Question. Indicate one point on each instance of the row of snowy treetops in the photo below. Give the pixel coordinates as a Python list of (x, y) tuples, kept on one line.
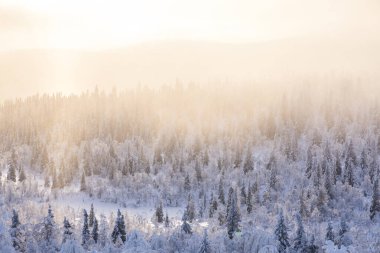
[(311, 150), (48, 237)]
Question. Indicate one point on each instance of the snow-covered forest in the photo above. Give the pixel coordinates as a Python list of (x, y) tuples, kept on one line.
[(269, 166)]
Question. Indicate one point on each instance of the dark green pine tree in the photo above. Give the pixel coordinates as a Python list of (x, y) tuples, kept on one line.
[(95, 231), (167, 222), (243, 195), (221, 192), (248, 163), (11, 176), (119, 233), (190, 209), (185, 225), (300, 242), (375, 203), (281, 233), (67, 230), (249, 200), (15, 232), (160, 213), (187, 185), (91, 217), (229, 200), (85, 229), (205, 245), (329, 233), (233, 216)]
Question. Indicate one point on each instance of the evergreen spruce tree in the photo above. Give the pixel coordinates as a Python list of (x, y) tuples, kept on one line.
[(309, 162), (185, 225), (281, 233), (300, 242), (83, 183), (229, 200), (248, 164), (249, 200), (95, 231), (330, 234), (205, 245), (375, 203), (233, 216), (22, 176), (187, 185), (243, 195), (85, 230), (91, 217), (67, 230), (160, 213), (47, 181), (190, 209), (49, 232), (103, 231), (119, 233), (18, 240), (221, 192), (167, 222), (11, 176), (211, 210), (342, 231)]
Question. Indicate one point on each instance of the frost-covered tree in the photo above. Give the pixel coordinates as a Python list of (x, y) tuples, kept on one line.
[(329, 233), (48, 233), (233, 216), (103, 231), (167, 222), (221, 192), (160, 213), (205, 244), (67, 230), (375, 203), (281, 233), (119, 234), (190, 209), (11, 176), (249, 200), (95, 231), (187, 184), (91, 216), (185, 225), (17, 235), (300, 242), (85, 230)]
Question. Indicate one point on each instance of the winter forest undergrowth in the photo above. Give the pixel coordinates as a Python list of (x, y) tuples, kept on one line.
[(290, 166)]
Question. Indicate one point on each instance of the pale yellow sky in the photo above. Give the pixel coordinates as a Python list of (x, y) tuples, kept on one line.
[(99, 24)]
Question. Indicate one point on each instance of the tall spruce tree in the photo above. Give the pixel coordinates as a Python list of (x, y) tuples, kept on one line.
[(95, 231), (11, 176), (185, 225), (300, 242), (91, 217), (221, 192), (205, 245), (119, 234), (281, 233), (67, 231), (85, 230), (160, 213), (233, 216), (83, 183), (249, 200), (329, 233), (18, 242), (375, 203)]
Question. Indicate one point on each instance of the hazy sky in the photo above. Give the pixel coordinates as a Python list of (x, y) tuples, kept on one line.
[(98, 24)]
